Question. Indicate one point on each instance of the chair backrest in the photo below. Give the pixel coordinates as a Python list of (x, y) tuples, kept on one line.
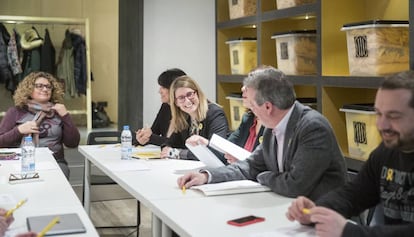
[(104, 137)]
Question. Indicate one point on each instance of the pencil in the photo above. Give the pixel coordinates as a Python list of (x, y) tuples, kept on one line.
[(306, 211), (183, 189), (49, 226), (19, 204)]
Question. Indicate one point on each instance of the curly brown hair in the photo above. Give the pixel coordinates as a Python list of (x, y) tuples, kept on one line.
[(25, 88)]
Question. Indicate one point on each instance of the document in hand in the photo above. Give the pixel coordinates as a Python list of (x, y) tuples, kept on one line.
[(231, 187), (205, 155), (224, 146)]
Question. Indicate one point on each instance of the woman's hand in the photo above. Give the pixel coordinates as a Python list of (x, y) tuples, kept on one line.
[(143, 135), (195, 140), (28, 127), (165, 152), (230, 159), (4, 221), (60, 109)]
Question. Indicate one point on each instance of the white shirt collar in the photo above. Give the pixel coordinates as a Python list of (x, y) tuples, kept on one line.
[(280, 128)]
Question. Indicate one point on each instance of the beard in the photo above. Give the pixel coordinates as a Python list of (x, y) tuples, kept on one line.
[(394, 140)]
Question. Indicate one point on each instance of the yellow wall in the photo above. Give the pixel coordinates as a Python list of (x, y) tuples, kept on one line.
[(103, 19)]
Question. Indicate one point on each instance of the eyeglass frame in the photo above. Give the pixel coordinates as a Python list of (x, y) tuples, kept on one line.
[(42, 86), (189, 95)]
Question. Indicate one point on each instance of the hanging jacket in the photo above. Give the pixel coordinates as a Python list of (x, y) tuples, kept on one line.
[(5, 71), (65, 67), (79, 49), (48, 54)]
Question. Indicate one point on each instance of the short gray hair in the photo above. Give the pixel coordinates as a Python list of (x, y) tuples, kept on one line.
[(271, 85)]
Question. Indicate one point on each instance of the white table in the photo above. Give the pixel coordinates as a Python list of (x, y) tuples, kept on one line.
[(51, 195), (192, 213)]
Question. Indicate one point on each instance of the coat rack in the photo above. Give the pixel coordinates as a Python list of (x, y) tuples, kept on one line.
[(70, 22)]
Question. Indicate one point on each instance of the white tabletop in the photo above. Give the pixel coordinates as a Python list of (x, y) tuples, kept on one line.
[(50, 194), (192, 213)]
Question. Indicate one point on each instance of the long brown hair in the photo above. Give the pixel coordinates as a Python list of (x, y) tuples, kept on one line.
[(25, 89), (179, 118)]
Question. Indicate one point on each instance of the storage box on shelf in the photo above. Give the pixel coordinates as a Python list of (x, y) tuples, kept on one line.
[(281, 4), (241, 8), (362, 133), (236, 110), (378, 47), (296, 52), (243, 55)]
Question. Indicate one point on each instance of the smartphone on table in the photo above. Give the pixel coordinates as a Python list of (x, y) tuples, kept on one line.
[(246, 220)]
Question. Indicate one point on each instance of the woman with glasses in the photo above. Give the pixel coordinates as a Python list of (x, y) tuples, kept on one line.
[(160, 129), (193, 117), (39, 112)]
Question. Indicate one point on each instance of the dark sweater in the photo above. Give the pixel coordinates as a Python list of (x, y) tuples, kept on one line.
[(160, 126), (388, 178)]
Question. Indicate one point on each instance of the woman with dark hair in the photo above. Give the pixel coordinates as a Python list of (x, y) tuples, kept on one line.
[(193, 117), (160, 129), (39, 111), (249, 134)]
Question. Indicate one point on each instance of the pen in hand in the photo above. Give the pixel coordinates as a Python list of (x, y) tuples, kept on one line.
[(183, 189), (306, 211), (19, 204), (49, 226)]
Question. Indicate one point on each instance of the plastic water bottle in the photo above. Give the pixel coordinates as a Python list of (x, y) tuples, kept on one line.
[(126, 143), (28, 156)]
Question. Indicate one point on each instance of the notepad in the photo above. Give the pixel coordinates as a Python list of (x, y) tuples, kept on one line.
[(68, 224), (231, 187), (147, 152)]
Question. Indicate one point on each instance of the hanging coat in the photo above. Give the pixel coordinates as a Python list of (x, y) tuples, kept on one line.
[(48, 54)]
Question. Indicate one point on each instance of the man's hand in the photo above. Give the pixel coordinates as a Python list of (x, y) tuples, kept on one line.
[(328, 222), (192, 179), (296, 210)]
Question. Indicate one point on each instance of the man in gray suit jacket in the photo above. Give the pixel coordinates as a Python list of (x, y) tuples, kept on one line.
[(299, 154)]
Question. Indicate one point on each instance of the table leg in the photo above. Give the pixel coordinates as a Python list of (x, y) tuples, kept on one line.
[(166, 231), (87, 187), (156, 226)]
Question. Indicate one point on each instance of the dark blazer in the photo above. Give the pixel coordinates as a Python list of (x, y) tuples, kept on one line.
[(312, 160), (240, 135), (215, 122)]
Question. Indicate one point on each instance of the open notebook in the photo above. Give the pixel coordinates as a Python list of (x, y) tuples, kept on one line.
[(231, 187), (68, 224)]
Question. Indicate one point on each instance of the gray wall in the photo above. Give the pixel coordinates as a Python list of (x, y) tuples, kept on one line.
[(177, 33)]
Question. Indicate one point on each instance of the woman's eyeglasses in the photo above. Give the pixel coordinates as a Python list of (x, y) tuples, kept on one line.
[(41, 86), (189, 95)]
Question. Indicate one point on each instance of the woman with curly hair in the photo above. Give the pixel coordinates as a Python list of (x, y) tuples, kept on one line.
[(39, 111)]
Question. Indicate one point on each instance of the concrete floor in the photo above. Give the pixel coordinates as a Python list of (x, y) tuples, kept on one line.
[(107, 211)]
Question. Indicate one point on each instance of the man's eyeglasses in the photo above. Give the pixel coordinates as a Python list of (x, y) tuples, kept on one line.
[(189, 95), (41, 86)]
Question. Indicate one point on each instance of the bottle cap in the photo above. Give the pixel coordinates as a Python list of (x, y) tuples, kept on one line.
[(126, 127), (28, 138)]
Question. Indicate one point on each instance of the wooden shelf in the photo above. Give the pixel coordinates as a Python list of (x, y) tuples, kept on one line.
[(331, 86), (354, 82)]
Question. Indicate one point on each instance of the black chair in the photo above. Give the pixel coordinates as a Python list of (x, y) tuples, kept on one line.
[(108, 137)]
